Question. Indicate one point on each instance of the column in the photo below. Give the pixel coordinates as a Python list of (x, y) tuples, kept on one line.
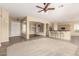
[(44, 29), (55, 32), (21, 27), (27, 30)]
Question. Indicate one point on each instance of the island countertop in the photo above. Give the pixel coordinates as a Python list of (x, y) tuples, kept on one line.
[(60, 34)]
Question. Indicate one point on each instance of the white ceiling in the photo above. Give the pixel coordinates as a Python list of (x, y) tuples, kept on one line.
[(69, 12)]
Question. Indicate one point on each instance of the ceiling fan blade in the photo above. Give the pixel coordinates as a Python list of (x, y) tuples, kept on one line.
[(47, 6), (39, 7), (40, 11), (51, 9)]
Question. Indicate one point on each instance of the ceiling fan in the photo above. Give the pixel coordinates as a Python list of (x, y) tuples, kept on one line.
[(45, 8)]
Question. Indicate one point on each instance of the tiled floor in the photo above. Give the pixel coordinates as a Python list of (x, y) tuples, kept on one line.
[(75, 40), (42, 47), (13, 40), (19, 40)]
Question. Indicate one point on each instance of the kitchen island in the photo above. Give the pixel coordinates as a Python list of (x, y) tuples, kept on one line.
[(60, 34)]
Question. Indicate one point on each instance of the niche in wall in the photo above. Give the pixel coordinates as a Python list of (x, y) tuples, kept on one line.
[(36, 28), (32, 27), (40, 27)]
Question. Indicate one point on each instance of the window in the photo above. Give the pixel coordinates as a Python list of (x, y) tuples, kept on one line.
[(76, 27)]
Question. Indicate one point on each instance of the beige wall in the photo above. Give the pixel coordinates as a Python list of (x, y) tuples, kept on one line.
[(37, 19), (4, 25)]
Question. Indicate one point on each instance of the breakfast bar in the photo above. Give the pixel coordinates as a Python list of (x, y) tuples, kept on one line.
[(60, 34)]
